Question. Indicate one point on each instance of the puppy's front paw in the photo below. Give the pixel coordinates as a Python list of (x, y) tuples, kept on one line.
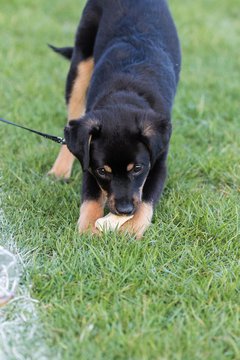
[(140, 221), (89, 213), (88, 229)]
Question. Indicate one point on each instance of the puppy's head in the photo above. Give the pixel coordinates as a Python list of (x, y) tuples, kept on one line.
[(119, 150)]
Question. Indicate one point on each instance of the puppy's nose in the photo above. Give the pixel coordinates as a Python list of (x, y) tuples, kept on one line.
[(124, 208)]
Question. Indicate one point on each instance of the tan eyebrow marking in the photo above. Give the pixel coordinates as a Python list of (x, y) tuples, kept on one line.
[(130, 167), (107, 169)]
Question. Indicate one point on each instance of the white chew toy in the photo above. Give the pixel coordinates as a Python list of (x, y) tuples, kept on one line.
[(111, 222)]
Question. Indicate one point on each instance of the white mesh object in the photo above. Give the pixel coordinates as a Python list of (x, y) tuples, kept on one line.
[(9, 276)]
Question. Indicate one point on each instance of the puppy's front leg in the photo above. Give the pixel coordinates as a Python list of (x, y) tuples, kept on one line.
[(92, 207), (90, 211), (140, 221)]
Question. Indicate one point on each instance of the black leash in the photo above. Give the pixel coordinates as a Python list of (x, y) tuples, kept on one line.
[(57, 139)]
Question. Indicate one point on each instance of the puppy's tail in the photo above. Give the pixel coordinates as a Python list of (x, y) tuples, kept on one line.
[(66, 52)]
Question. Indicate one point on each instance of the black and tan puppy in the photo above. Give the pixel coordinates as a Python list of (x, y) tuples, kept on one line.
[(120, 89)]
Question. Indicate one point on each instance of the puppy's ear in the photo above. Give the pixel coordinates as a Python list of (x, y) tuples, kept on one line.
[(78, 136), (155, 133)]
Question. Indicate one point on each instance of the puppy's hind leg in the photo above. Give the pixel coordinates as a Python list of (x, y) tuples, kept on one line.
[(76, 107), (78, 80)]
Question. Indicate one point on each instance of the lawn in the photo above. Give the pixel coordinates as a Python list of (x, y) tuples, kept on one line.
[(174, 294)]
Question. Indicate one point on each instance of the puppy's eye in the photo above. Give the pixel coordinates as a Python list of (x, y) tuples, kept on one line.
[(137, 169), (101, 172)]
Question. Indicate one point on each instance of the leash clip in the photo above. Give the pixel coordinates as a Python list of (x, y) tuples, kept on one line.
[(61, 141)]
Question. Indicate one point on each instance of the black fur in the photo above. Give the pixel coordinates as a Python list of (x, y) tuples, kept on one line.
[(137, 60)]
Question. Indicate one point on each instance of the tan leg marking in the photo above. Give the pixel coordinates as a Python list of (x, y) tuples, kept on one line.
[(90, 211), (62, 167), (76, 105), (140, 221)]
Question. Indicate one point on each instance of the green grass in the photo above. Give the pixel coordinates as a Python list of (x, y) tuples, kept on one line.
[(175, 294)]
